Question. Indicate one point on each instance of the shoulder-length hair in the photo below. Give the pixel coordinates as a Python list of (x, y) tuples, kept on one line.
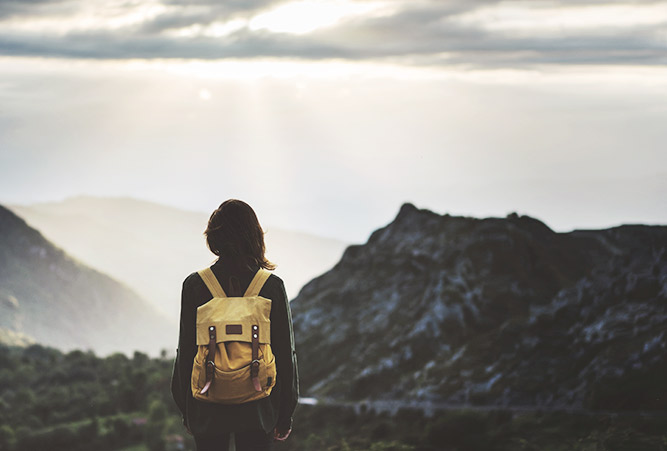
[(234, 233)]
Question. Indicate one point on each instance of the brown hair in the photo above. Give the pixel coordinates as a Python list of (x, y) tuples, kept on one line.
[(234, 233)]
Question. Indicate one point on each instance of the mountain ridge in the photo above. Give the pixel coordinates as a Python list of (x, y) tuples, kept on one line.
[(49, 297), (456, 309), (153, 247)]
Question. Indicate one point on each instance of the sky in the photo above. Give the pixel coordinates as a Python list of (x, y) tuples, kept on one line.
[(327, 115)]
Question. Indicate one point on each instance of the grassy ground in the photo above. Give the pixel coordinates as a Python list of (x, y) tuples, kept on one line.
[(135, 448), (333, 429), (326, 428)]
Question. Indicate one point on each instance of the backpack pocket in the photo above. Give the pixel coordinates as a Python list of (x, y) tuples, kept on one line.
[(233, 387)]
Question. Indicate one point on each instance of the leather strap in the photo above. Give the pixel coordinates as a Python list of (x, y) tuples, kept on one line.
[(257, 283), (210, 357), (254, 365), (212, 283)]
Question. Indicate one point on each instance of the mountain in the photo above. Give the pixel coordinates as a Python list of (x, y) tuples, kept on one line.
[(152, 247), (48, 297), (493, 311)]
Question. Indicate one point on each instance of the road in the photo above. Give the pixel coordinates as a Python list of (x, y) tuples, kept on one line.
[(430, 408)]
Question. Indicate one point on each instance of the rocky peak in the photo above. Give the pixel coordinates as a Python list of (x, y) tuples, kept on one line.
[(449, 307)]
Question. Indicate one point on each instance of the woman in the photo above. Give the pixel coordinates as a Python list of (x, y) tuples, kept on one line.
[(235, 236)]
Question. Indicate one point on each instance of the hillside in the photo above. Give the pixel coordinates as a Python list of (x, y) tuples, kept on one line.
[(48, 297), (493, 311), (152, 247)]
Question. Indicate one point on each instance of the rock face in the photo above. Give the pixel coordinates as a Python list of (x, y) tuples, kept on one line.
[(494, 311), (47, 297)]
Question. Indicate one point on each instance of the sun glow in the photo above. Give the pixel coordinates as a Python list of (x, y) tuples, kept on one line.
[(539, 18), (306, 16)]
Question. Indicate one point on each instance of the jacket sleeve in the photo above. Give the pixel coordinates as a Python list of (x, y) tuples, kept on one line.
[(180, 380), (282, 342)]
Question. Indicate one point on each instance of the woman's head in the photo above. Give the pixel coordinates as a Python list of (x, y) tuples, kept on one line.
[(233, 233)]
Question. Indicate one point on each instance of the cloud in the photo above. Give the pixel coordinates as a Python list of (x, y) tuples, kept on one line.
[(10, 8), (203, 12), (485, 33)]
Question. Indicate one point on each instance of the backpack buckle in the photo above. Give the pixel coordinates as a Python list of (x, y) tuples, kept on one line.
[(210, 369), (254, 373), (254, 368)]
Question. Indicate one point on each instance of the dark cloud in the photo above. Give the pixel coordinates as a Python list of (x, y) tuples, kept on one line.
[(231, 5), (37, 8), (203, 12), (420, 32)]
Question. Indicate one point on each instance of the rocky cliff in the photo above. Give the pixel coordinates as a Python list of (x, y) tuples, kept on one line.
[(493, 311)]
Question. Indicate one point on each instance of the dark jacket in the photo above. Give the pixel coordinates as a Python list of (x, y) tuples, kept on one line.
[(276, 410)]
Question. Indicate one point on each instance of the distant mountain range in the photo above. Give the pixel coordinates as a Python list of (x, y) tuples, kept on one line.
[(492, 311), (152, 247), (50, 298)]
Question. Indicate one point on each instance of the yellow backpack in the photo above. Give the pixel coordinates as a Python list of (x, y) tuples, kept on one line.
[(234, 362)]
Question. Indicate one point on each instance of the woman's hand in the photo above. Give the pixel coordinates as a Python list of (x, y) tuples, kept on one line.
[(281, 435), (185, 425)]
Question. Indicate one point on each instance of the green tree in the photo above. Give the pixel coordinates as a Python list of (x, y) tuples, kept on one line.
[(7, 438), (155, 427)]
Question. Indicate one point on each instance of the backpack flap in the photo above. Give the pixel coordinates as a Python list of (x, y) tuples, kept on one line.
[(233, 319)]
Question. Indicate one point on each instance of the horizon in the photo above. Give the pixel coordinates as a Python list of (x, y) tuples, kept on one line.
[(267, 227)]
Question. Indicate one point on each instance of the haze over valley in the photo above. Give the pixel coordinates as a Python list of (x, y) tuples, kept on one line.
[(152, 247)]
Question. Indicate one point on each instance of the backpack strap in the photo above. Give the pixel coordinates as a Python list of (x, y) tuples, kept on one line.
[(212, 283), (257, 283), (254, 364), (210, 360)]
